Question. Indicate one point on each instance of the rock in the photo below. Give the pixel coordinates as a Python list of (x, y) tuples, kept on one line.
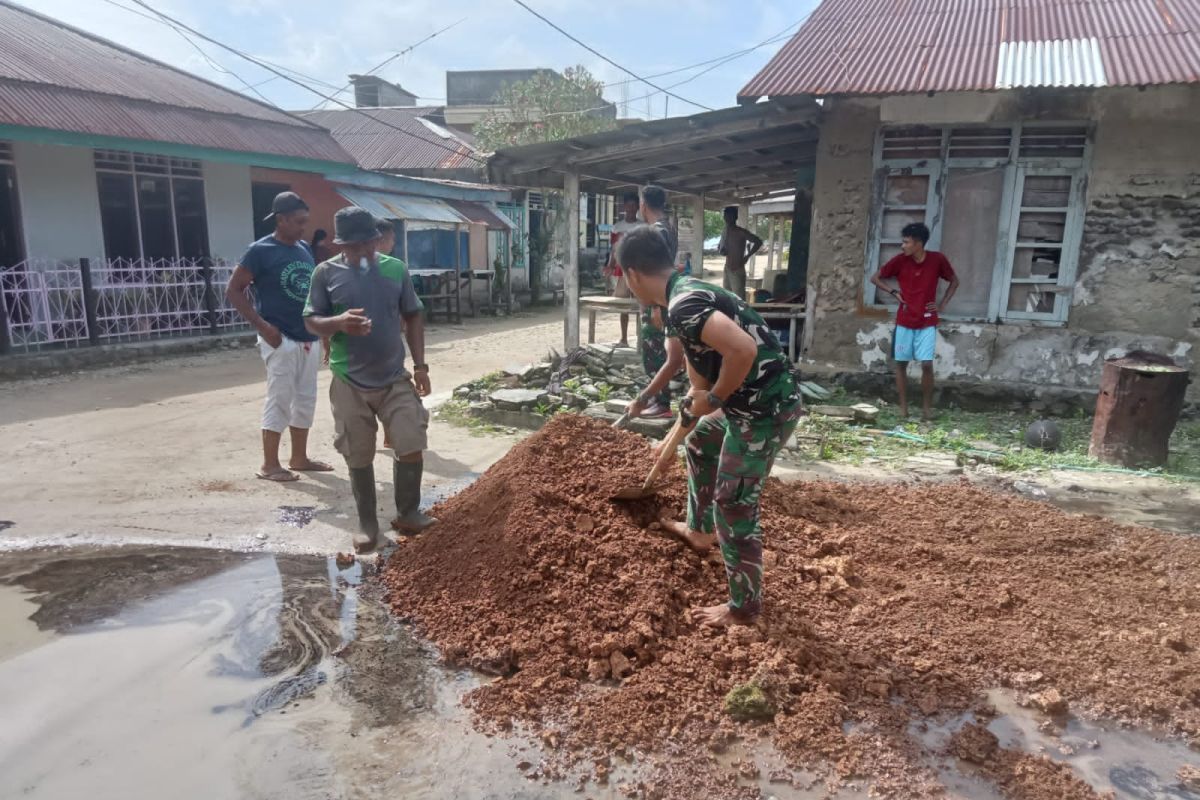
[(604, 351), (929, 704), (598, 669), (653, 428), (589, 391), (1189, 776), (616, 406), (513, 399), (462, 391), (842, 412), (749, 701), (1049, 701), (865, 412), (1025, 680), (619, 380), (878, 685), (1029, 489), (974, 744), (621, 666), (770, 559), (554, 399), (626, 357), (584, 523)]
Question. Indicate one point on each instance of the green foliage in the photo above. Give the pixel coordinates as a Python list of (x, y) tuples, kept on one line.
[(605, 391), (714, 223), (545, 108)]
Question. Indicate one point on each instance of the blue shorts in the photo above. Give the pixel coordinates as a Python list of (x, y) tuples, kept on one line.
[(909, 344)]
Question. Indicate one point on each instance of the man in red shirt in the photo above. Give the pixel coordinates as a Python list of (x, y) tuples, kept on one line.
[(918, 272)]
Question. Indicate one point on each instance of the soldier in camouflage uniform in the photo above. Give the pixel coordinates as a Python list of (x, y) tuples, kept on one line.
[(745, 392)]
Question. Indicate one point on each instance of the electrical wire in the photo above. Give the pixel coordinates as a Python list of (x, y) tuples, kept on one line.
[(605, 58), (171, 21), (396, 55)]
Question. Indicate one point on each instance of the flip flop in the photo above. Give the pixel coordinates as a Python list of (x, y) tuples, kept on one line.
[(313, 466), (278, 476)]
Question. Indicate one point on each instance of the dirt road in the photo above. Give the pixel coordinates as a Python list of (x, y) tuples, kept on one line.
[(167, 453)]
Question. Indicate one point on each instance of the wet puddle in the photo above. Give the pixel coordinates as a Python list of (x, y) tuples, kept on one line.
[(140, 672), (1131, 764), (194, 673), (295, 516)]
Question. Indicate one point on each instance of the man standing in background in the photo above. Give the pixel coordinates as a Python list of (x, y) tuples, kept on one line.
[(658, 352), (612, 270), (734, 243), (280, 267)]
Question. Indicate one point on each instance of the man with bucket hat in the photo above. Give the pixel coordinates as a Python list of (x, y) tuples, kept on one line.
[(368, 308), (280, 266)]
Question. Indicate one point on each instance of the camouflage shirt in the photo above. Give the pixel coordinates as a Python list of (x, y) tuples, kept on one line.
[(770, 387)]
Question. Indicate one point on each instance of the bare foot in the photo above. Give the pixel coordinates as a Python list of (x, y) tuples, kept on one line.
[(702, 543), (717, 617)]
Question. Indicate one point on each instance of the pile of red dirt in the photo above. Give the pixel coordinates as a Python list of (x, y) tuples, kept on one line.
[(886, 606)]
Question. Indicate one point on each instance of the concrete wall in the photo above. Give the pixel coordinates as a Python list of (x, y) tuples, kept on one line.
[(60, 207), (229, 207), (1138, 280), (323, 201)]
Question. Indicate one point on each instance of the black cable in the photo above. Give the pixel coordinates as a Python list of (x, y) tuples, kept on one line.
[(172, 21), (600, 55), (396, 55)]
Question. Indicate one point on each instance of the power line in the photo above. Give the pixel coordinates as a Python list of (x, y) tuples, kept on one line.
[(784, 34), (216, 66), (264, 65), (600, 55), (396, 55), (715, 63)]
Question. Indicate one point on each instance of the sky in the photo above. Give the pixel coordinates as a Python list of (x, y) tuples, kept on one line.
[(327, 41)]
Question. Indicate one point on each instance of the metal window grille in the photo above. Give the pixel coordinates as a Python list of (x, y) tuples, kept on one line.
[(980, 142), (147, 164), (133, 300), (6, 154)]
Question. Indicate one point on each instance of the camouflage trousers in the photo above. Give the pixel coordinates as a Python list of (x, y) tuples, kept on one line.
[(728, 461), (654, 353)]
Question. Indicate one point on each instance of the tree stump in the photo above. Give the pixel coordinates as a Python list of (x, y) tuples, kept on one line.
[(1141, 396)]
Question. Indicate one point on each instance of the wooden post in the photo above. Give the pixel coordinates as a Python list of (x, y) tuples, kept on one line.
[(458, 273), (571, 268), (1141, 397), (698, 236), (89, 301), (770, 245)]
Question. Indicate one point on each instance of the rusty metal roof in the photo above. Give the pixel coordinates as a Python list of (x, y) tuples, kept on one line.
[(422, 142), (881, 47), (55, 76)]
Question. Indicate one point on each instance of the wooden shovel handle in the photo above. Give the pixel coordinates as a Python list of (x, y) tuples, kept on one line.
[(668, 451)]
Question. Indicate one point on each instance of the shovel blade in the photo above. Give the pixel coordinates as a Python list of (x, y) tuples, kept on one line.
[(637, 492)]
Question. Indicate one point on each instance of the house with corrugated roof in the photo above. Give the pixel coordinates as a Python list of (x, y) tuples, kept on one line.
[(1050, 148)]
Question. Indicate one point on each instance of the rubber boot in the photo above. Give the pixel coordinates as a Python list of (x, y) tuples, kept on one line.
[(407, 479), (362, 482)]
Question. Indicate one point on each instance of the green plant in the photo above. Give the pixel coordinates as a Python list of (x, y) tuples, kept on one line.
[(545, 108), (605, 391)]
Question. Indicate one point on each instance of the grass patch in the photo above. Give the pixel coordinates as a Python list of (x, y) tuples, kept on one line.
[(456, 412), (1001, 434)]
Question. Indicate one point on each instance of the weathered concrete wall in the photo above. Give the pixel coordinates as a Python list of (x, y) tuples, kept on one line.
[(1138, 281)]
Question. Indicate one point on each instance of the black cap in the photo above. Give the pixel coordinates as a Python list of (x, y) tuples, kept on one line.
[(286, 203), (353, 225)]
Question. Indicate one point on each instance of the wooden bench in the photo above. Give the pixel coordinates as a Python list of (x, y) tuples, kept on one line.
[(608, 305)]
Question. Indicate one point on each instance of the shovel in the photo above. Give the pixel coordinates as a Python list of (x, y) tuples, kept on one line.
[(649, 487)]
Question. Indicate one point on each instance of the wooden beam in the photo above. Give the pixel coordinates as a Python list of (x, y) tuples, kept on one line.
[(692, 135), (685, 155)]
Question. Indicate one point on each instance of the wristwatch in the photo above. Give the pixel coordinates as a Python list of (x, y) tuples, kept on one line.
[(715, 401), (420, 368)]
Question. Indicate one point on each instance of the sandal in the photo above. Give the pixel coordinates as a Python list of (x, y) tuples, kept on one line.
[(280, 475)]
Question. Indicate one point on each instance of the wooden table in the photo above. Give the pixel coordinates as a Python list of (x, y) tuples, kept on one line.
[(447, 288), (793, 312), (608, 305)]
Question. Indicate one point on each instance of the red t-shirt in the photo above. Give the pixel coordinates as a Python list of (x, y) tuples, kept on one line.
[(918, 286)]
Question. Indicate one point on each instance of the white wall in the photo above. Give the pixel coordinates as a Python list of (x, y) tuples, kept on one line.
[(230, 209), (60, 209)]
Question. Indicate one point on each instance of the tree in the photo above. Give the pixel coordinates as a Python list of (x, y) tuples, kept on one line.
[(546, 108)]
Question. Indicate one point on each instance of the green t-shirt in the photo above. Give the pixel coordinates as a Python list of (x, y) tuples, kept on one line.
[(385, 293), (770, 387)]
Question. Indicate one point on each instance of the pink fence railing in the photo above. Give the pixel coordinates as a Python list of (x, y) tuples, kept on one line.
[(55, 304)]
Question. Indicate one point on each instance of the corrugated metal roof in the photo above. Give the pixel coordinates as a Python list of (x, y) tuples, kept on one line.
[(401, 206), (370, 135), (877, 47), (483, 213), (55, 76)]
